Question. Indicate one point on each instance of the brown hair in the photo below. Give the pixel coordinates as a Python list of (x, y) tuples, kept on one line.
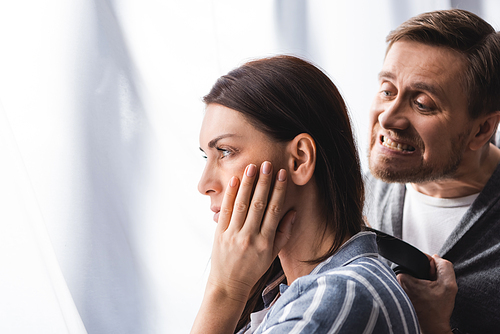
[(284, 96), (470, 36)]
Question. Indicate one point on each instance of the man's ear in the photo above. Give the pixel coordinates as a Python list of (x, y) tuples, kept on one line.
[(302, 159), (484, 129)]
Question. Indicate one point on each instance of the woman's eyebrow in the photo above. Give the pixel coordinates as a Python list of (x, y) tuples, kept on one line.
[(214, 141)]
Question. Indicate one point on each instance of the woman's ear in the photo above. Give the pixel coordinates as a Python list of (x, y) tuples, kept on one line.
[(302, 159), (484, 129)]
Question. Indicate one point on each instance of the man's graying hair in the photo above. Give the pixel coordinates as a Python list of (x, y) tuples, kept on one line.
[(470, 36)]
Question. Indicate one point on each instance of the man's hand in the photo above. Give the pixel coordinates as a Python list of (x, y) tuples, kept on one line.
[(433, 300)]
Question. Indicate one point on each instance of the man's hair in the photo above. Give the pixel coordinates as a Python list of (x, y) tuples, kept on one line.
[(474, 39)]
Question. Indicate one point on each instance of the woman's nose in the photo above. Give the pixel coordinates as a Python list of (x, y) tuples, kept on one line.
[(208, 184)]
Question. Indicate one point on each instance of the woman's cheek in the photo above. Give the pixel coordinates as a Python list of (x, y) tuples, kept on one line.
[(237, 171)]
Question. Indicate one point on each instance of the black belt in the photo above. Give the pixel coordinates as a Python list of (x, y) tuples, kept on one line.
[(408, 259)]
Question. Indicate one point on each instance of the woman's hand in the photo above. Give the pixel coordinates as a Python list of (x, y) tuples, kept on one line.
[(248, 238)]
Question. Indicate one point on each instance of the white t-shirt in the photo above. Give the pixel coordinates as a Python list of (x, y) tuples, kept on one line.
[(428, 221)]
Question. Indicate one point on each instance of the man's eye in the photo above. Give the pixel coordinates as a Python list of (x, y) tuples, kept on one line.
[(386, 93), (421, 106)]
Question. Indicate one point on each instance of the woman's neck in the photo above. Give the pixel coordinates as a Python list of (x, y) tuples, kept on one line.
[(308, 242)]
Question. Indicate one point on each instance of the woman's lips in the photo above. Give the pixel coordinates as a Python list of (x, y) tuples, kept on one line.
[(216, 209)]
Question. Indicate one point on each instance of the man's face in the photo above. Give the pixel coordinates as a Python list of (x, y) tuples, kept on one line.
[(418, 119)]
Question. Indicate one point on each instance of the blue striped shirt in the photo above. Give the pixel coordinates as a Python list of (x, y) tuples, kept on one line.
[(351, 292)]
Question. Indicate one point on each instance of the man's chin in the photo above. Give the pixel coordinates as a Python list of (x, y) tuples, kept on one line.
[(422, 174), (381, 169), (392, 176), (402, 175)]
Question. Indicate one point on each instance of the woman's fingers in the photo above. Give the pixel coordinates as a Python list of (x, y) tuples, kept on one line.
[(226, 209), (254, 212), (274, 211), (259, 202), (241, 203), (247, 238)]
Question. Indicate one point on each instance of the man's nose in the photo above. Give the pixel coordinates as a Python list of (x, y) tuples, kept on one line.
[(394, 115)]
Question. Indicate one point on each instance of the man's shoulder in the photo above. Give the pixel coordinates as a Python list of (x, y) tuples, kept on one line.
[(492, 186), (380, 195), (375, 187)]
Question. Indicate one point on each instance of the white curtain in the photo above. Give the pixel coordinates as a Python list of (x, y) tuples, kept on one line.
[(102, 229)]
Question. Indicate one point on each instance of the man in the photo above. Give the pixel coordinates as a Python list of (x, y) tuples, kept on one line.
[(435, 172)]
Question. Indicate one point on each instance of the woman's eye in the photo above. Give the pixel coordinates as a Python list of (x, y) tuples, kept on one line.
[(225, 153), (203, 155), (386, 93)]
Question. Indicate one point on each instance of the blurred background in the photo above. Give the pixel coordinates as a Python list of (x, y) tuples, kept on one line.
[(102, 229)]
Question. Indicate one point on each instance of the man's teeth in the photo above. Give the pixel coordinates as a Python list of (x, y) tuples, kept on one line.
[(400, 147)]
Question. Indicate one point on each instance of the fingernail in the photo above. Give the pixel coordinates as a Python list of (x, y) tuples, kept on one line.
[(251, 169), (293, 218), (282, 175), (266, 167), (233, 181)]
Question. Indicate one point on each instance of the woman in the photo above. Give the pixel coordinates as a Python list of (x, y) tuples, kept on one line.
[(280, 123)]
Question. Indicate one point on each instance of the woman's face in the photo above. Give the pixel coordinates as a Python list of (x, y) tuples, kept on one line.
[(230, 143)]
